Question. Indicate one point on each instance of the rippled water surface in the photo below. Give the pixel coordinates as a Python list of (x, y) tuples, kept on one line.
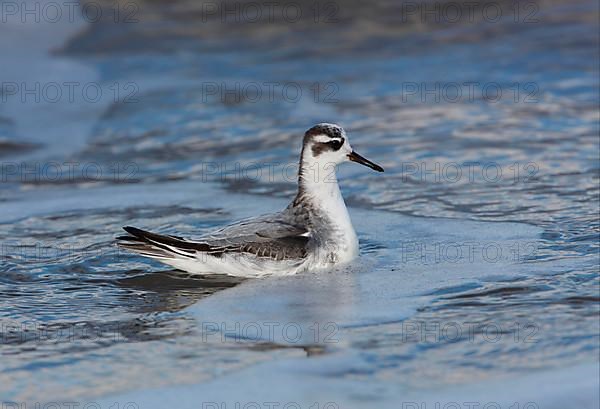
[(479, 244)]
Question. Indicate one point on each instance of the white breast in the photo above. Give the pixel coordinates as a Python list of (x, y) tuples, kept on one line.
[(335, 236)]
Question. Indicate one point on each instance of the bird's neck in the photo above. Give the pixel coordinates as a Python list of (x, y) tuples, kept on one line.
[(319, 194)]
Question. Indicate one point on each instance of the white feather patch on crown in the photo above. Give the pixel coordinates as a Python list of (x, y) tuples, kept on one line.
[(322, 138)]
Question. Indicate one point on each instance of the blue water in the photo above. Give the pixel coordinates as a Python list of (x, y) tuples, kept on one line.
[(478, 275)]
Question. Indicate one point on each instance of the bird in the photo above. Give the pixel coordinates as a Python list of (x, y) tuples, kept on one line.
[(314, 232)]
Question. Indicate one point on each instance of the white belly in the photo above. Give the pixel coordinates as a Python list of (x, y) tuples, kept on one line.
[(332, 253)]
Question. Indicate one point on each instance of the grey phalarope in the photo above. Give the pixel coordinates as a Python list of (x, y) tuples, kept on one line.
[(313, 232)]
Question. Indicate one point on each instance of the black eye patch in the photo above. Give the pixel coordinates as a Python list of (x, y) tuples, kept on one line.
[(336, 144), (321, 147)]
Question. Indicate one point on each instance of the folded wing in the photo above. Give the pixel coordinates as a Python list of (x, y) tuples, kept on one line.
[(265, 237)]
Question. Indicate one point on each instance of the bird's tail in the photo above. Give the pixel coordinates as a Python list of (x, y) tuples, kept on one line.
[(160, 246)]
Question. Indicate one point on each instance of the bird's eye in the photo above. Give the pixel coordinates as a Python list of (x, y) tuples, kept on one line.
[(336, 144)]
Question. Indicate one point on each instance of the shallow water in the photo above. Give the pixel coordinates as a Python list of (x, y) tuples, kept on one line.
[(479, 244)]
